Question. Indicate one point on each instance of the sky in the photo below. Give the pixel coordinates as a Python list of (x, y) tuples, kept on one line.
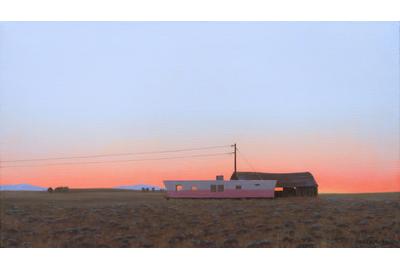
[(309, 96)]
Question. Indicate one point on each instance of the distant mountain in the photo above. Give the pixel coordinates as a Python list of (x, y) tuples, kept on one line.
[(138, 187), (21, 187)]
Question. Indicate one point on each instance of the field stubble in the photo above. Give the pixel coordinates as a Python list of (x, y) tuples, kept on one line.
[(109, 218)]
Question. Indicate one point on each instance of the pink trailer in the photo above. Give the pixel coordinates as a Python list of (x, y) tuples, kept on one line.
[(220, 189)]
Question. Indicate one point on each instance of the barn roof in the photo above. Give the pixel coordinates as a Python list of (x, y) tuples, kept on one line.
[(297, 179)]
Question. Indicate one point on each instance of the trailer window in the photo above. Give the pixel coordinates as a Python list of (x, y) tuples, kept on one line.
[(220, 188), (213, 188), (178, 187), (238, 187), (194, 188)]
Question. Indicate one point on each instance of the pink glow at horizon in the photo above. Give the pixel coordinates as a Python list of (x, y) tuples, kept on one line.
[(355, 171)]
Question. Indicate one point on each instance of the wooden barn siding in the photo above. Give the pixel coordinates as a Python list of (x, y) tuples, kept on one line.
[(293, 184)]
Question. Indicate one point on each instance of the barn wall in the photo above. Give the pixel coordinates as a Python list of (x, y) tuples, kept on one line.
[(299, 192), (307, 191)]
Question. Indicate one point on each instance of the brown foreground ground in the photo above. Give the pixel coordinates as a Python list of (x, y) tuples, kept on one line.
[(109, 218)]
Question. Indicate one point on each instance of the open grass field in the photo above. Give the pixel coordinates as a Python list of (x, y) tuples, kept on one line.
[(111, 218)]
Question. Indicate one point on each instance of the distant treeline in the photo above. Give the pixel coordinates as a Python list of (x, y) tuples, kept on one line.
[(58, 189), (148, 189)]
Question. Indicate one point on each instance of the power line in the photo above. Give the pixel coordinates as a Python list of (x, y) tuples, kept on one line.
[(248, 163), (115, 161), (245, 159), (115, 155)]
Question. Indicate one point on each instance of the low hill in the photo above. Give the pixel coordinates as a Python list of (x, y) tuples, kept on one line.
[(21, 187)]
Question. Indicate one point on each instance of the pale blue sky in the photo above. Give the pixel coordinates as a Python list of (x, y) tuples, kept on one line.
[(71, 88)]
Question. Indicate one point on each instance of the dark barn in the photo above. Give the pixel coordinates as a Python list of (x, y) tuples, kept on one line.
[(289, 184)]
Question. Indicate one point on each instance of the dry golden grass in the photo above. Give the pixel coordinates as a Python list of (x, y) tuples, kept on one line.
[(110, 218)]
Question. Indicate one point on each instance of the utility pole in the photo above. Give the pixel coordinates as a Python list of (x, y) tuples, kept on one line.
[(234, 161)]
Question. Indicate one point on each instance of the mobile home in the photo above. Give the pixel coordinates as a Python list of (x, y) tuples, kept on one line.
[(220, 189)]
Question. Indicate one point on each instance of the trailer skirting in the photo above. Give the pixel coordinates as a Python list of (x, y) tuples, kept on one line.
[(224, 194)]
